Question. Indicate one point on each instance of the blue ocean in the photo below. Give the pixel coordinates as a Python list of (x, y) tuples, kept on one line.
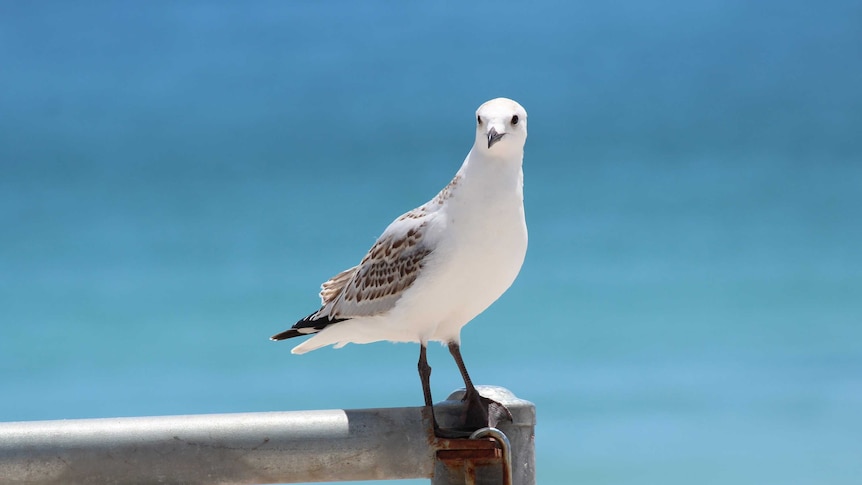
[(178, 178)]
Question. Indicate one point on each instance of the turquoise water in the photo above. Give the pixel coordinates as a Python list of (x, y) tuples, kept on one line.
[(178, 178)]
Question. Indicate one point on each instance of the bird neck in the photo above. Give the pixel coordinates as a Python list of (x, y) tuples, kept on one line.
[(498, 175), (484, 165)]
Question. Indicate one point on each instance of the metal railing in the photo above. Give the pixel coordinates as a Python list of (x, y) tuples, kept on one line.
[(277, 447)]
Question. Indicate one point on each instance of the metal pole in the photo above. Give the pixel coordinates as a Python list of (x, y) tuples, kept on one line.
[(258, 448), (306, 446)]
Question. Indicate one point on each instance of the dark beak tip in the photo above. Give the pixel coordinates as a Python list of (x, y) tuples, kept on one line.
[(494, 137)]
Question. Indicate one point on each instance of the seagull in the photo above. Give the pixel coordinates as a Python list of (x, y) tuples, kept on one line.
[(439, 265)]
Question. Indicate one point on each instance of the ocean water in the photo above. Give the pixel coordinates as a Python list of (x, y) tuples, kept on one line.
[(176, 180)]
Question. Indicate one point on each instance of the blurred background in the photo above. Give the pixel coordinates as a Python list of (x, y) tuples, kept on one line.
[(177, 179)]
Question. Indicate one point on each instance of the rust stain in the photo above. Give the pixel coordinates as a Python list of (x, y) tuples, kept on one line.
[(463, 454), (490, 456)]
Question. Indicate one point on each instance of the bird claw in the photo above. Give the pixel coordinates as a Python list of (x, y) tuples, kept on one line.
[(478, 412), (497, 412), (450, 433)]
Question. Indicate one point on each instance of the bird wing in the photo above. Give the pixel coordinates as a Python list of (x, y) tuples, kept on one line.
[(330, 289), (391, 266)]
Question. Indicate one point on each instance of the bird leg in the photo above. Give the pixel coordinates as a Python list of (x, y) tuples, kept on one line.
[(479, 411), (425, 377)]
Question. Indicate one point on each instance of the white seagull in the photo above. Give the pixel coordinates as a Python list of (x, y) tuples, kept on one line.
[(438, 266)]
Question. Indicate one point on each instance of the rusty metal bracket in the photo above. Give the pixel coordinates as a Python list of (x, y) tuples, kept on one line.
[(483, 458)]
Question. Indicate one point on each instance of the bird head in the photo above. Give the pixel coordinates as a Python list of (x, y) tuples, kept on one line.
[(501, 127)]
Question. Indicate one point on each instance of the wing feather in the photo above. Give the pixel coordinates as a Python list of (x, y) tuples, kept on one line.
[(374, 286), (330, 290)]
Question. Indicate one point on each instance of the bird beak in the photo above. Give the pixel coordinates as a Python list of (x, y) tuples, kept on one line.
[(493, 136)]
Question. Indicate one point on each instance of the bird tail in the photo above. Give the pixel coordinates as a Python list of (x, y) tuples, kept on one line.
[(307, 326)]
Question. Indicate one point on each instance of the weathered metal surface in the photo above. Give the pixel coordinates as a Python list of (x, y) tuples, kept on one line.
[(258, 448), (255, 448)]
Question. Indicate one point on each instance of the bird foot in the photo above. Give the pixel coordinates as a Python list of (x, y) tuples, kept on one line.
[(477, 412), (450, 433)]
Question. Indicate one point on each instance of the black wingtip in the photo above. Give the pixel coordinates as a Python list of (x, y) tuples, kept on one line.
[(286, 335), (306, 326)]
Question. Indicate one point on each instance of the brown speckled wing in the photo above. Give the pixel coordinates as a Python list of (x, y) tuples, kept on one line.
[(330, 290), (373, 287)]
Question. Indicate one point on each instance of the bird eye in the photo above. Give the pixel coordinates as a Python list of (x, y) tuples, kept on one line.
[(515, 120), (479, 119)]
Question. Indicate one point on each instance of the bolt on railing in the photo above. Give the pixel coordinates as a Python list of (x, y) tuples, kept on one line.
[(276, 447)]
